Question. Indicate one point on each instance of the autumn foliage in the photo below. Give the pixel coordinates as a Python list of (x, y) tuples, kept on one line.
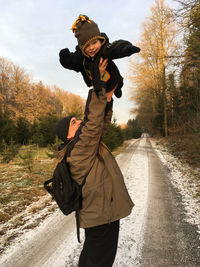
[(28, 110), (166, 79)]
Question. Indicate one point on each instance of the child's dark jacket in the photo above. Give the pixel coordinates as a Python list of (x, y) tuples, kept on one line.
[(78, 62)]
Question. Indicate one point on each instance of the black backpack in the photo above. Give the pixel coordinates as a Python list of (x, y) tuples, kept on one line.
[(65, 191)]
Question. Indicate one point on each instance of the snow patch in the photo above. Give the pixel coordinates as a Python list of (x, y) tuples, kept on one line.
[(135, 171), (186, 180), (132, 227)]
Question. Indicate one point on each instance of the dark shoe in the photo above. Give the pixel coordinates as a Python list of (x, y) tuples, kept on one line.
[(118, 93)]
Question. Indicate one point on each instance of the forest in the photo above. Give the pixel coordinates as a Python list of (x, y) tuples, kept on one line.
[(165, 86), (29, 111), (166, 79)]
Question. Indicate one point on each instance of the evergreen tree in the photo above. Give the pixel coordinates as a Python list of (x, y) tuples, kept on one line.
[(9, 151), (7, 128), (132, 130), (42, 131), (27, 158), (22, 131), (114, 136), (190, 73)]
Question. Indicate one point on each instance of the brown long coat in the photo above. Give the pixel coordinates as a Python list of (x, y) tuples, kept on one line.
[(105, 197)]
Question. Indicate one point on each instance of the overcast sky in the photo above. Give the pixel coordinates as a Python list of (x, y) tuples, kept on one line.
[(32, 32)]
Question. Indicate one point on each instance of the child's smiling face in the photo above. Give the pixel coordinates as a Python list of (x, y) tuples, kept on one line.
[(93, 48)]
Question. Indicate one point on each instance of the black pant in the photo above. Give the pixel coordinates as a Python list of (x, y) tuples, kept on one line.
[(100, 245)]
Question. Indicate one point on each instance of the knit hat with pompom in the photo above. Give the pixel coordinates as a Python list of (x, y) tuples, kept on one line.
[(86, 30)]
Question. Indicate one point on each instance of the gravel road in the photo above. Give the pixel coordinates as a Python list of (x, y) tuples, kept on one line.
[(168, 239), (155, 234)]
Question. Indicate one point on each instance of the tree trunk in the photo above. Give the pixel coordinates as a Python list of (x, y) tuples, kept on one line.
[(163, 68)]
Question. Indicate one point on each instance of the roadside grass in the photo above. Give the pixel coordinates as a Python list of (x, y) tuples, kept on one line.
[(19, 186), (121, 148), (187, 149), (24, 202)]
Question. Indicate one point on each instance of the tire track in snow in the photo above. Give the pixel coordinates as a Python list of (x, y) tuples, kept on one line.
[(132, 227)]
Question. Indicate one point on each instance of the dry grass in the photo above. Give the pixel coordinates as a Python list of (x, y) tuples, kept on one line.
[(121, 148), (19, 187), (7, 239), (24, 202), (185, 147)]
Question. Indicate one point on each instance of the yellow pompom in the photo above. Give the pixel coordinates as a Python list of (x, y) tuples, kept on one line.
[(79, 19)]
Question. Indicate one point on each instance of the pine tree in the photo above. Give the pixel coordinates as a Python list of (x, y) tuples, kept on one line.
[(9, 151), (27, 158)]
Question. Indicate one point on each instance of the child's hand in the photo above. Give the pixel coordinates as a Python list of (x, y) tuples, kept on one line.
[(102, 66)]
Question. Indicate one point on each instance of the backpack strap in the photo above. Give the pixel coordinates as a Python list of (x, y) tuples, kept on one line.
[(48, 188), (77, 226), (77, 214), (77, 211)]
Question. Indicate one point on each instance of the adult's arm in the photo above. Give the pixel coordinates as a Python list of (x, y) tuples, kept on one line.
[(84, 148), (108, 111)]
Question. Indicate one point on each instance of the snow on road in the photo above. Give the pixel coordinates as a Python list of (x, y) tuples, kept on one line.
[(186, 180), (131, 228), (134, 165), (135, 170)]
